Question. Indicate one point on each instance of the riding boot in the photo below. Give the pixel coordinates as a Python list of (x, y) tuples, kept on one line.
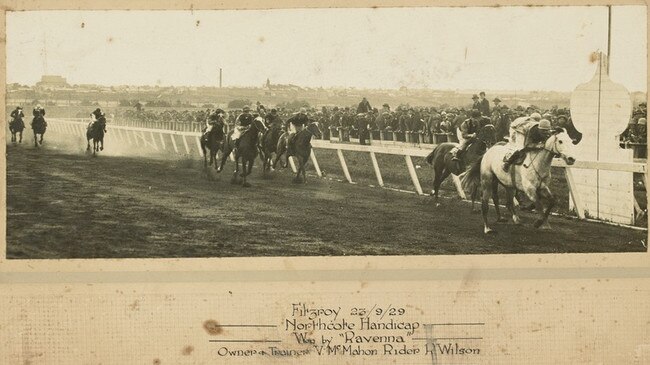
[(510, 161)]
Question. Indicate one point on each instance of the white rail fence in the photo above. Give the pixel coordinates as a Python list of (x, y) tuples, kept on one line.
[(188, 143)]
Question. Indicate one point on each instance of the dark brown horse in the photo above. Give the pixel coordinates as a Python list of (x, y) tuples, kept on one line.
[(443, 163), (246, 152), (95, 131), (17, 126), (302, 149), (269, 146), (38, 126), (213, 141)]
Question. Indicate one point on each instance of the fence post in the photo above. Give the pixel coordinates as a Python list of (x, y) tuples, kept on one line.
[(162, 140), (577, 203), (315, 162), (153, 139), (173, 138), (375, 165), (414, 175), (293, 165), (187, 148), (344, 166), (459, 187), (198, 145)]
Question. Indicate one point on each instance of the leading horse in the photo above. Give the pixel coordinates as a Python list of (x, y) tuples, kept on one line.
[(441, 158), (38, 126), (301, 150), (246, 152), (533, 177)]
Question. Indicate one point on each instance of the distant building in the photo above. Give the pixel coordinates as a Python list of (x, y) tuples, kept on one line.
[(52, 82)]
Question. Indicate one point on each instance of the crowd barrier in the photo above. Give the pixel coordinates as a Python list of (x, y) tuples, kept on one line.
[(188, 142)]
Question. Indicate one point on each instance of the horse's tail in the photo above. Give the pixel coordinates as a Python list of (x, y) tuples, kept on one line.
[(432, 155), (472, 177)]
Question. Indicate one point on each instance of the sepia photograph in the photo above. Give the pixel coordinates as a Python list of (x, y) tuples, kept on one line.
[(326, 132)]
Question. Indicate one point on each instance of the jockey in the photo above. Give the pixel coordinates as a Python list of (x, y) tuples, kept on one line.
[(468, 129), (39, 112), (298, 121), (273, 121), (243, 122), (212, 120), (536, 133), (98, 116), (18, 114)]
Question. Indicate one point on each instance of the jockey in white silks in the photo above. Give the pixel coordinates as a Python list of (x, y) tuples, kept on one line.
[(519, 129), (527, 134)]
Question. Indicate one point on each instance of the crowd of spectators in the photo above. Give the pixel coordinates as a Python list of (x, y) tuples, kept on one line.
[(362, 118)]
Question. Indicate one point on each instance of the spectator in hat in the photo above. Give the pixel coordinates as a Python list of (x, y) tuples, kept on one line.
[(641, 131), (364, 106), (475, 104), (497, 106), (483, 105)]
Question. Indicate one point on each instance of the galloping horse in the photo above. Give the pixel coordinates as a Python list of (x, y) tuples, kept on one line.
[(247, 150), (443, 163), (532, 177), (38, 126), (95, 131), (269, 146), (302, 148), (17, 126), (214, 142)]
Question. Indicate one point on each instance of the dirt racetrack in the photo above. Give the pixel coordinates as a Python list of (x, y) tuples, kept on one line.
[(63, 203)]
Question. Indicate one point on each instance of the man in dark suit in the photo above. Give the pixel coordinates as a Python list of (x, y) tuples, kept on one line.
[(483, 105), (364, 106)]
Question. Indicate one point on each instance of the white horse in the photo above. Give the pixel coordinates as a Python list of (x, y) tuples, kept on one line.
[(532, 177)]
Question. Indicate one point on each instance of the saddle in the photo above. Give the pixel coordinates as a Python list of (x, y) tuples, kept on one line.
[(519, 158)]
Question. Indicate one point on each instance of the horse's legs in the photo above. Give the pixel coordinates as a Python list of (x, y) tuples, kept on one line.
[(510, 204), (35, 139), (485, 201), (101, 141), (544, 193), (42, 134), (236, 173), (225, 153), (247, 166), (495, 199)]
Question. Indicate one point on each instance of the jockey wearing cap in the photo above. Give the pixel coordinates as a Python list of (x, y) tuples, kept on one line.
[(243, 122), (535, 135), (468, 129), (212, 120), (98, 116), (39, 112), (17, 115), (296, 124)]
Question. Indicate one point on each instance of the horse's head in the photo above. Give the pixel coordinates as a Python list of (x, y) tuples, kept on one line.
[(560, 144), (314, 129), (487, 134)]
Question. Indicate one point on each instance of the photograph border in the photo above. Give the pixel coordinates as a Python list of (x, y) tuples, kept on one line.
[(513, 266)]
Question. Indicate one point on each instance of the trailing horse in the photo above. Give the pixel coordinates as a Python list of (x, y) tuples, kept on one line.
[(213, 141), (95, 131), (17, 126), (247, 151), (532, 177), (441, 158), (38, 126)]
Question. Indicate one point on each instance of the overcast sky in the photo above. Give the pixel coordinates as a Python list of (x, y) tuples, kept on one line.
[(506, 48)]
